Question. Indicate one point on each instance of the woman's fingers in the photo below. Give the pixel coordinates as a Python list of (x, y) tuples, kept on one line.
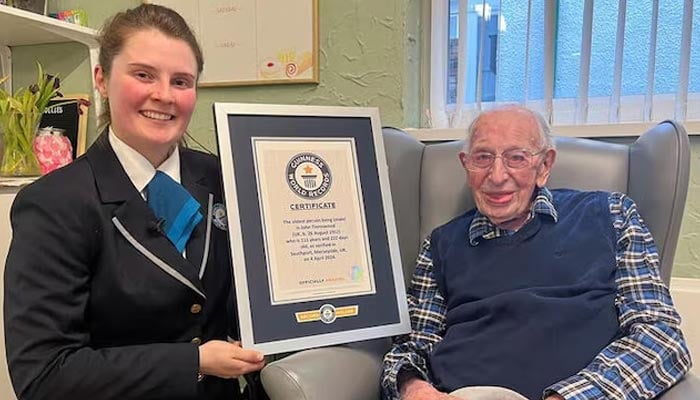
[(248, 355), (228, 360)]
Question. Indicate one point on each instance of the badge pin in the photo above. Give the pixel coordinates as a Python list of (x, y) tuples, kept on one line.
[(218, 216)]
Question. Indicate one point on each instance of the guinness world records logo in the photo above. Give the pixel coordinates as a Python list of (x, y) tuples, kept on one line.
[(327, 314), (308, 176)]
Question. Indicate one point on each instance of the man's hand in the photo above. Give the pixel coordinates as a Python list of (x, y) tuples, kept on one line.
[(228, 360), (418, 389)]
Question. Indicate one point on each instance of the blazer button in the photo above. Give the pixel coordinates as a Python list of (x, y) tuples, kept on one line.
[(196, 308), (196, 341)]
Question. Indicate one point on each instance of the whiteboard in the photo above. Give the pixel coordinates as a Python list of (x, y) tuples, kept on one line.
[(252, 42)]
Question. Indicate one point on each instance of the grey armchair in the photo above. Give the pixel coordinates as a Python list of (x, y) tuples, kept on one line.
[(426, 190)]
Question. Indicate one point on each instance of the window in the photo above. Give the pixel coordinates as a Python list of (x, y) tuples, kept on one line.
[(577, 62)]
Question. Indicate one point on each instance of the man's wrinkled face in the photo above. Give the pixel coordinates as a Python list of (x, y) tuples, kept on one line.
[(502, 193)]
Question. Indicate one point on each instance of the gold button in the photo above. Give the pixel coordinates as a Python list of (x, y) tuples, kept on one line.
[(196, 308), (197, 341)]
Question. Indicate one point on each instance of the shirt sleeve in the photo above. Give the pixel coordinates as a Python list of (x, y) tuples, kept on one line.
[(651, 354), (426, 308)]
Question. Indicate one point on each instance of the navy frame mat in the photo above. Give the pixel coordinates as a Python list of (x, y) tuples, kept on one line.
[(276, 324)]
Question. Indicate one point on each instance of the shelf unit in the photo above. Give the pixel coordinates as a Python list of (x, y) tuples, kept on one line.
[(19, 28)]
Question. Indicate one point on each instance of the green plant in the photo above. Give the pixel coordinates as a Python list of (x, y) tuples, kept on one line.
[(20, 115)]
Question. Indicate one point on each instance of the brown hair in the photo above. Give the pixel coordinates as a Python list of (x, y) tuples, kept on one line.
[(117, 30)]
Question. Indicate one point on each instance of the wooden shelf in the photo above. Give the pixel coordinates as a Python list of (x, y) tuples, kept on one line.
[(20, 27)]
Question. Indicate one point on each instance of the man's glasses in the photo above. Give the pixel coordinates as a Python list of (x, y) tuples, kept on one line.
[(513, 159)]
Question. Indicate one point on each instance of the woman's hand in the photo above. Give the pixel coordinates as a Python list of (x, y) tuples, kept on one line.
[(228, 359)]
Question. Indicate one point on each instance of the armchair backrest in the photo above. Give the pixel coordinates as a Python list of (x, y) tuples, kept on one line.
[(428, 184)]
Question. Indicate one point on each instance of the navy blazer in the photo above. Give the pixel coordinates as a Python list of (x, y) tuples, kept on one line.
[(98, 303)]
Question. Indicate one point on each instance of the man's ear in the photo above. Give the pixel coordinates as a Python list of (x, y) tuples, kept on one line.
[(463, 159), (545, 167), (100, 81)]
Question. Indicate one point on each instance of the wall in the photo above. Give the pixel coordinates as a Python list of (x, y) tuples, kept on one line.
[(687, 262), (369, 56)]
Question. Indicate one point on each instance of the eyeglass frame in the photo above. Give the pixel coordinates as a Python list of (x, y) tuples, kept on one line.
[(503, 160)]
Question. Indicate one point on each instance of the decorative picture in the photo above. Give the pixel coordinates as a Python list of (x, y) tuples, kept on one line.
[(252, 42)]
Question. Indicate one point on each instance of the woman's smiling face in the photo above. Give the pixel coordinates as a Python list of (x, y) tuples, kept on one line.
[(152, 90)]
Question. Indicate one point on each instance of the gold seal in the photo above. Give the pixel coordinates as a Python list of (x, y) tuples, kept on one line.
[(327, 314)]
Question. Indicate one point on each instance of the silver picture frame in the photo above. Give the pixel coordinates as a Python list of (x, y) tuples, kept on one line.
[(311, 225)]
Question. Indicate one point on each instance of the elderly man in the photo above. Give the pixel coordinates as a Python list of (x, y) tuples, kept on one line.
[(553, 294)]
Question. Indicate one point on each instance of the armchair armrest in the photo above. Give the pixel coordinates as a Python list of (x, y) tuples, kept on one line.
[(349, 372), (687, 389)]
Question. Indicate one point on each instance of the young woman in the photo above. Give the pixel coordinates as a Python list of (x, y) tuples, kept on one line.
[(100, 301)]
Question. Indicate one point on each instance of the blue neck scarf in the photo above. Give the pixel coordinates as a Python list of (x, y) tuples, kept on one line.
[(176, 209)]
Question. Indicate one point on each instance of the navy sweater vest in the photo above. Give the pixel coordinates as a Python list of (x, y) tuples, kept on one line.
[(527, 310)]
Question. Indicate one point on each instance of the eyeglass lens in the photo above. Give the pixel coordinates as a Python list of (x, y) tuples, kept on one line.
[(516, 158)]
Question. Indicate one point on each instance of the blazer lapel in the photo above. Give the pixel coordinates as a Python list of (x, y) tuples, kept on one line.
[(134, 219), (194, 180)]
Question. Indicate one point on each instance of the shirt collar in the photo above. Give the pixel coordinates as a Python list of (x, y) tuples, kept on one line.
[(138, 168), (482, 227)]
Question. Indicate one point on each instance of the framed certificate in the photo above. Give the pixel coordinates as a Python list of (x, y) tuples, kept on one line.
[(311, 224)]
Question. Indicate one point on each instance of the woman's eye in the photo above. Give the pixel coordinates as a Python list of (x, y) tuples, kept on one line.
[(183, 83), (142, 75)]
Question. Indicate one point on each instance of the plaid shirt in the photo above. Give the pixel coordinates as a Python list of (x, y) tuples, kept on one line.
[(647, 359)]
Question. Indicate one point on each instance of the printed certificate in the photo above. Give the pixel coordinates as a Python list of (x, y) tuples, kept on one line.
[(313, 217)]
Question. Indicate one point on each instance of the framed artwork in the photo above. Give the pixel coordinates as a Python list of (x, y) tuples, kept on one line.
[(254, 42), (311, 225)]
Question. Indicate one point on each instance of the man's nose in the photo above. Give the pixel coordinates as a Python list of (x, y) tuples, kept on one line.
[(498, 173)]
